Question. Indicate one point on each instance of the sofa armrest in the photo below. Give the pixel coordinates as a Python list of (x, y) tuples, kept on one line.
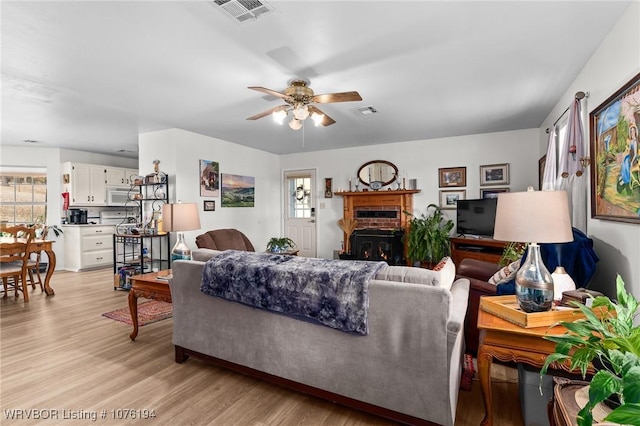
[(460, 297)]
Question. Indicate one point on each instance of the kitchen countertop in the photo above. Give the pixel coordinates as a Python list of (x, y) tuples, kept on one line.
[(84, 224)]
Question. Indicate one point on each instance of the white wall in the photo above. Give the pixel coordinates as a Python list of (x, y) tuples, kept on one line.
[(418, 160), (615, 62), (180, 152), (52, 159)]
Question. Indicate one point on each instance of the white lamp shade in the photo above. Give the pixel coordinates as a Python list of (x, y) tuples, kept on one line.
[(533, 217), (180, 217)]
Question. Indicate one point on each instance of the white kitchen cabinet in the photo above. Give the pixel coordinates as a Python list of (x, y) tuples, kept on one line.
[(86, 184), (88, 246), (114, 176)]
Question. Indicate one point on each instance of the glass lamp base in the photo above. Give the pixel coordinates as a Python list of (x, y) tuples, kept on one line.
[(181, 250), (534, 299), (534, 285)]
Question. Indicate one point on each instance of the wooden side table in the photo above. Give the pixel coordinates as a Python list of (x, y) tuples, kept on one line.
[(150, 287), (509, 342)]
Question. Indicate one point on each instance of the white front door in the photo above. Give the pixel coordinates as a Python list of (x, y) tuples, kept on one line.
[(300, 217)]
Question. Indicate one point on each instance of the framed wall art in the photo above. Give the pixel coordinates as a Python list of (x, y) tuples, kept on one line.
[(452, 176), (209, 205), (492, 193), (237, 191), (328, 187), (209, 178), (449, 199), (615, 165), (542, 162), (494, 174)]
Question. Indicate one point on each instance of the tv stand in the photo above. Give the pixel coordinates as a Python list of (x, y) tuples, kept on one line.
[(474, 247)]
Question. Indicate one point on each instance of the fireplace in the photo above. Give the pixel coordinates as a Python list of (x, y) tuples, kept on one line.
[(378, 245)]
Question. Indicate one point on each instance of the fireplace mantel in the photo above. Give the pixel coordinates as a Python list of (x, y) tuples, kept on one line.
[(399, 199)]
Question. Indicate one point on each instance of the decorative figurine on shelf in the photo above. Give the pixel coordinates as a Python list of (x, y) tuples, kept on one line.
[(157, 176)]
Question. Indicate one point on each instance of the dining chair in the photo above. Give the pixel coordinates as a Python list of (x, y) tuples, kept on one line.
[(14, 254), (33, 265)]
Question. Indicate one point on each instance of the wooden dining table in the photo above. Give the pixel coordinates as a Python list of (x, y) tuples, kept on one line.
[(35, 247)]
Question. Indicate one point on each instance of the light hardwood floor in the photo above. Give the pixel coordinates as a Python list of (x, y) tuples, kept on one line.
[(60, 353)]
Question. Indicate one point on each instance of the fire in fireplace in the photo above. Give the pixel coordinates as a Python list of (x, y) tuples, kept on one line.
[(378, 245)]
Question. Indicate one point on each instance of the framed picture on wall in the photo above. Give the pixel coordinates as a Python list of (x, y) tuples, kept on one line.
[(328, 187), (449, 199), (209, 205), (492, 193), (542, 162), (452, 176), (615, 164), (494, 174)]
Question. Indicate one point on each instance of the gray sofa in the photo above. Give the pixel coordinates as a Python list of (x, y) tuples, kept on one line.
[(407, 368)]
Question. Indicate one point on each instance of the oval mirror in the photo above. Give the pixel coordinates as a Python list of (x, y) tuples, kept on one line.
[(381, 171)]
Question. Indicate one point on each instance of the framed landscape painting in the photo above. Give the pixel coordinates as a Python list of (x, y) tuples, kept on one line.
[(237, 191), (492, 193), (615, 165)]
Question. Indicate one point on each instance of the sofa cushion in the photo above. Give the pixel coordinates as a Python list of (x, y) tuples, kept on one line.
[(505, 274), (442, 275)]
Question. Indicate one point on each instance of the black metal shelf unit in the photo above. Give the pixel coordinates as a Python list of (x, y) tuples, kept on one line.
[(142, 247)]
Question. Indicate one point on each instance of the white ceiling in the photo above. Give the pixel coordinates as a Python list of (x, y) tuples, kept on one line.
[(92, 75)]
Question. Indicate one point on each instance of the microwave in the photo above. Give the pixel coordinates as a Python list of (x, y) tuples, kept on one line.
[(118, 196)]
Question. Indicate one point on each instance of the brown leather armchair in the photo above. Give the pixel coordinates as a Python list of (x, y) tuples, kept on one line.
[(478, 273), (224, 239)]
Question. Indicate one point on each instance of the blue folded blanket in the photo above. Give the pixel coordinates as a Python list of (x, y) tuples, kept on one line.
[(329, 292)]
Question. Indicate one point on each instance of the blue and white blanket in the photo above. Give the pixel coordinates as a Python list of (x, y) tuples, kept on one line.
[(329, 292)]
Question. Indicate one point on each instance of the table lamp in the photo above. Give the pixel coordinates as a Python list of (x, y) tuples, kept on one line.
[(533, 217), (179, 218)]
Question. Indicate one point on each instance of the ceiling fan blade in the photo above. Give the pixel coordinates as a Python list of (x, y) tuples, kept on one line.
[(269, 92), (267, 112), (337, 97), (326, 120)]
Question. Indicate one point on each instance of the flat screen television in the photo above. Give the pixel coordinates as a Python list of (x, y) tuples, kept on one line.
[(476, 217)]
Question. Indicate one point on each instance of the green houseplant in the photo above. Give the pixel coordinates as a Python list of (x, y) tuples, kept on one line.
[(277, 245), (607, 337), (428, 236)]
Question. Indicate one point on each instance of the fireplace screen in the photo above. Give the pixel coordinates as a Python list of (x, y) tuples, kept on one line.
[(378, 245)]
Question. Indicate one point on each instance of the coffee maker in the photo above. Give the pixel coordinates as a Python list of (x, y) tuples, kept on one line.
[(78, 216)]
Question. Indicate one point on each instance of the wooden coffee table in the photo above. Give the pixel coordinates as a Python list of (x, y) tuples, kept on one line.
[(150, 287)]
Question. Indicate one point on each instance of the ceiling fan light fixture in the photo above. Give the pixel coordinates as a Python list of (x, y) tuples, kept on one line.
[(301, 112), (295, 124), (317, 118), (279, 116)]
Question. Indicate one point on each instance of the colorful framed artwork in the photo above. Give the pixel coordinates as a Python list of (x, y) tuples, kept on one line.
[(452, 176), (494, 174), (328, 187), (449, 199), (615, 164), (492, 193), (237, 191), (209, 178), (209, 205)]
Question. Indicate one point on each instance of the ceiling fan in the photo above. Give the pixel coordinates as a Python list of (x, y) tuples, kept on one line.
[(299, 98)]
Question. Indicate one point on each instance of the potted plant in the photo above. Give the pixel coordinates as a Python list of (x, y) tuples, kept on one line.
[(607, 338), (428, 237), (278, 245)]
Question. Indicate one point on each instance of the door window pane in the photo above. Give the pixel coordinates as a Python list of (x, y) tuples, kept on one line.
[(299, 197)]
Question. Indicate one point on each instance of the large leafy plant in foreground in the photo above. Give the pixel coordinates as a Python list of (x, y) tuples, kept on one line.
[(606, 334)]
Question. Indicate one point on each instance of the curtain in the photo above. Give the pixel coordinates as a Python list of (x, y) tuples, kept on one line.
[(570, 172)]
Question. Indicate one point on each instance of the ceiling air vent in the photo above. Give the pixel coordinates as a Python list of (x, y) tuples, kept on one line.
[(243, 10), (364, 111)]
